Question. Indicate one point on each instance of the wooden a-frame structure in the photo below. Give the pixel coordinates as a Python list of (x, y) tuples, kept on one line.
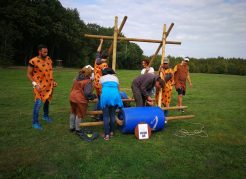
[(113, 50)]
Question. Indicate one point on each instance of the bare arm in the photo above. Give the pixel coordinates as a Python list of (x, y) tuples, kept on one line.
[(99, 49), (29, 76), (29, 73), (189, 80)]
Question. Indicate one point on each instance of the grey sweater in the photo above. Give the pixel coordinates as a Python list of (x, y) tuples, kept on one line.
[(145, 83)]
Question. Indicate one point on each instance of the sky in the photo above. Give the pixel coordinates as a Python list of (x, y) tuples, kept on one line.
[(206, 28)]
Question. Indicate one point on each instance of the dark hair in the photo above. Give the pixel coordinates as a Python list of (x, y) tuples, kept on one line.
[(104, 54), (108, 71), (40, 46), (146, 61)]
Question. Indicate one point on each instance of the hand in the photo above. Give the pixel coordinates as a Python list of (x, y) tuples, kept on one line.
[(55, 84), (190, 85), (37, 87), (151, 103), (101, 41), (149, 99)]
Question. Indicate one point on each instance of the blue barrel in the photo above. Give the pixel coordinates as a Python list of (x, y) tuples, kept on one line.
[(154, 116)]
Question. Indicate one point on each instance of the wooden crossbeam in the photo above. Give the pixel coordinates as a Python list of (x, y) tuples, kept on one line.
[(164, 108), (130, 39), (124, 100), (120, 122)]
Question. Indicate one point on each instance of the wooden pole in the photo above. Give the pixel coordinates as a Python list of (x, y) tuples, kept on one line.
[(115, 42), (164, 108), (85, 124), (110, 50), (159, 47), (162, 60), (179, 117), (120, 122), (130, 39)]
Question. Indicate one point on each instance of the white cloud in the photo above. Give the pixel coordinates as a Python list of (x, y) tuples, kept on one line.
[(206, 27)]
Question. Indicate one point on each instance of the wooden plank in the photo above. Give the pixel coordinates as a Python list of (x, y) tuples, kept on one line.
[(115, 42), (130, 39)]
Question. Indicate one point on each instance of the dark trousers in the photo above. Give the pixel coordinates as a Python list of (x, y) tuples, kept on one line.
[(109, 119), (139, 98)]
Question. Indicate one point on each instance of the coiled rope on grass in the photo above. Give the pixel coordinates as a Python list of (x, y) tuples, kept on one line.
[(197, 132)]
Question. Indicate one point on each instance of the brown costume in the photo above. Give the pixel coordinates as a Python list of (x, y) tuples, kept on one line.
[(180, 76)]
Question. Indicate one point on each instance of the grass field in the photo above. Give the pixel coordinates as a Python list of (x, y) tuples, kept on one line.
[(218, 101)]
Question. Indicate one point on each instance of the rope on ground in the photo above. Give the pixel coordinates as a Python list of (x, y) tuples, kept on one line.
[(197, 132)]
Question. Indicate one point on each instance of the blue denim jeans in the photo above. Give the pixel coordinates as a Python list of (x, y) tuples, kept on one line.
[(109, 119), (36, 108)]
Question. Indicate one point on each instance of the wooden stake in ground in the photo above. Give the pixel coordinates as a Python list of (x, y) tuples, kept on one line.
[(115, 42), (162, 60)]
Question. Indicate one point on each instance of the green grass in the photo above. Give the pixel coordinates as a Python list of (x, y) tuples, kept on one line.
[(218, 101)]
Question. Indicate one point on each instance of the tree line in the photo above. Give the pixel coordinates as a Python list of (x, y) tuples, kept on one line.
[(218, 65), (26, 23)]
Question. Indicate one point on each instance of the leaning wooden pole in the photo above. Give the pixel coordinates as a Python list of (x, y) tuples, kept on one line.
[(159, 47), (115, 42), (110, 50), (162, 60)]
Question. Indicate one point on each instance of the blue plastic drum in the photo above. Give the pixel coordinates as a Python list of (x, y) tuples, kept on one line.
[(154, 116)]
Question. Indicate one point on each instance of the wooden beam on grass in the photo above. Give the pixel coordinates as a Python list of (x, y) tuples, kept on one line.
[(164, 108), (130, 39), (171, 118), (121, 122)]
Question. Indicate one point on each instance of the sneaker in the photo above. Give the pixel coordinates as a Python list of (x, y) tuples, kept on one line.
[(37, 126), (182, 110), (47, 119)]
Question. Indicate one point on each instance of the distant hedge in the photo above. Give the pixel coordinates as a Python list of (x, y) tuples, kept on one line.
[(219, 65)]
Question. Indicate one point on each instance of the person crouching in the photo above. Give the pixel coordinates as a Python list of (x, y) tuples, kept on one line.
[(80, 94), (110, 100)]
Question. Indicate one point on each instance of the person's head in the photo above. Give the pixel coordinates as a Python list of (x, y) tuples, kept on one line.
[(108, 71), (165, 64), (159, 83), (145, 63), (42, 51), (86, 71), (185, 60), (104, 55)]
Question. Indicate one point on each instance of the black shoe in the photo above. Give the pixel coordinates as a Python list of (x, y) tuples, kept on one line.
[(72, 130)]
